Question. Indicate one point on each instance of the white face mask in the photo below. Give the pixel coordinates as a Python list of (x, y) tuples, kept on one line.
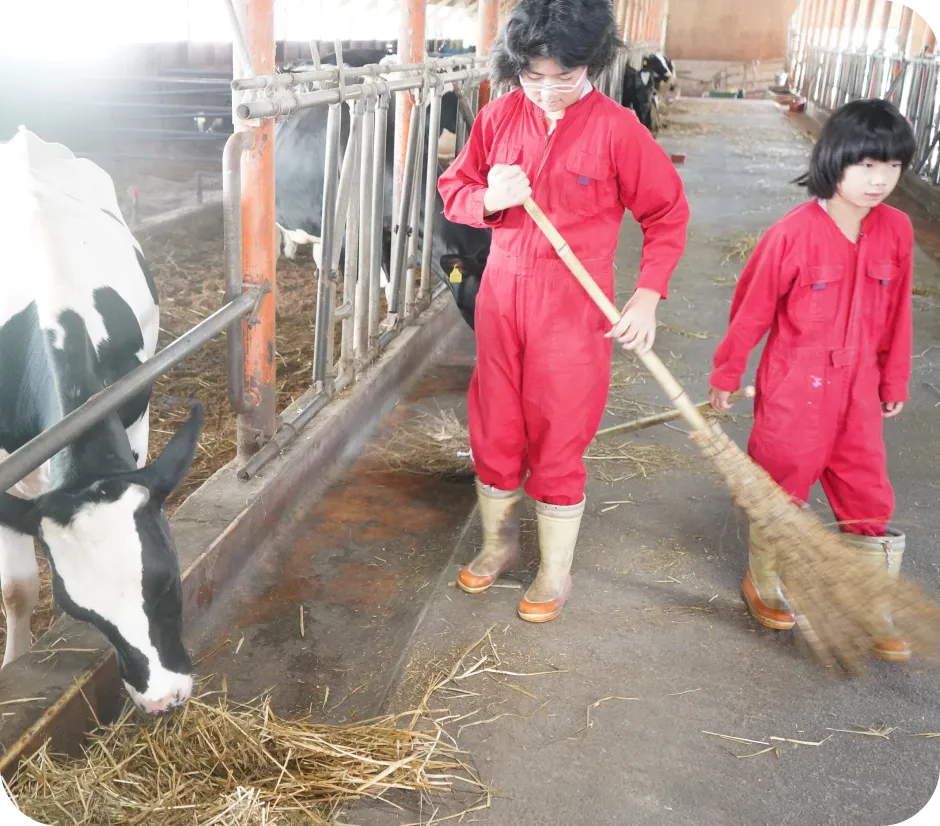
[(552, 94)]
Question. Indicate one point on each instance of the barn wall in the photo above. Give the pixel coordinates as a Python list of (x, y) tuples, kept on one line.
[(729, 31)]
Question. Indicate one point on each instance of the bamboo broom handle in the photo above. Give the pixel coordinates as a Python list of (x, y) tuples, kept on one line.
[(660, 418), (651, 361)]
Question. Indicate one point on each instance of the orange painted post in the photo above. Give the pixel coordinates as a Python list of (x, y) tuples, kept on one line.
[(488, 23), (904, 29), (412, 41), (621, 17), (885, 19), (258, 248), (930, 41)]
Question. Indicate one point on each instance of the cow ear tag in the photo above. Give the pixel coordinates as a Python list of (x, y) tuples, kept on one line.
[(455, 275)]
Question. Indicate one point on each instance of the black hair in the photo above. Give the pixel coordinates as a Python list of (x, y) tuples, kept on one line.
[(861, 129), (573, 32)]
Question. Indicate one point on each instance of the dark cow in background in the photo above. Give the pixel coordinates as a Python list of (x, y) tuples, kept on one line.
[(78, 310), (299, 158), (641, 88)]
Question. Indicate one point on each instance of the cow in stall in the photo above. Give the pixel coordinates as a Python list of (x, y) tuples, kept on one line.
[(641, 88), (79, 310), (299, 158)]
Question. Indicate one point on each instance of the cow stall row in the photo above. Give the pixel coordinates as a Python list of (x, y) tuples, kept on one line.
[(80, 312)]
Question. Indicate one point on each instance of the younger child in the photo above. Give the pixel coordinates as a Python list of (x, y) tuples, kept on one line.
[(832, 283)]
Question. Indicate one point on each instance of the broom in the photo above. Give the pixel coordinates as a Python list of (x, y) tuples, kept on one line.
[(839, 600)]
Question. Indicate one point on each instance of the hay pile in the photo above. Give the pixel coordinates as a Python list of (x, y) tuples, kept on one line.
[(431, 444), (231, 764), (740, 247)]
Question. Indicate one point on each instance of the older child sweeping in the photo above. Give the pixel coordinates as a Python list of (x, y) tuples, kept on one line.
[(832, 283), (543, 348)]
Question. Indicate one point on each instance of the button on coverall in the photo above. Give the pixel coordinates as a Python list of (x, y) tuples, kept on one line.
[(543, 364), (840, 343)]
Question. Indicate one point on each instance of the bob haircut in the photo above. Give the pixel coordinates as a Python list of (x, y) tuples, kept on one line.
[(861, 129), (573, 32)]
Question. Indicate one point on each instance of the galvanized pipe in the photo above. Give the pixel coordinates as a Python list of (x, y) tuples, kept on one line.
[(378, 215), (399, 243), (239, 143), (239, 43), (19, 464), (361, 322), (347, 175), (322, 327), (417, 197), (351, 267), (430, 199), (283, 80), (305, 100)]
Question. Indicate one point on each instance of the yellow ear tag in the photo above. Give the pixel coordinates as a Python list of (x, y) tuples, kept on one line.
[(455, 275)]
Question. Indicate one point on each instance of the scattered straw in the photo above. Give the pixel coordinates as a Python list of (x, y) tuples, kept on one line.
[(740, 247), (614, 463), (431, 444), (230, 763)]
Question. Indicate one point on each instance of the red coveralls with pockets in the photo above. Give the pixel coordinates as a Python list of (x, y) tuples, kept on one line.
[(840, 343), (543, 364)]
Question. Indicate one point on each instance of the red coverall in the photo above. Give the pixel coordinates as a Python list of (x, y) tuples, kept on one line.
[(543, 364), (840, 344)]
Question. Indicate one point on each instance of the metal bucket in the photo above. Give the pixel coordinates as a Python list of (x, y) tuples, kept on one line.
[(780, 79)]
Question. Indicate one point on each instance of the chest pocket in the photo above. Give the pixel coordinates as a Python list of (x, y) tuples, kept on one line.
[(881, 282), (817, 293), (589, 185)]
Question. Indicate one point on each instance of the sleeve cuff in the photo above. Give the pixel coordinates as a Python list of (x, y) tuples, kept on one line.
[(654, 281), (722, 381), (893, 392), (493, 220)]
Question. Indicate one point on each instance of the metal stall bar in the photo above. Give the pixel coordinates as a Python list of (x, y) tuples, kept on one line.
[(378, 214), (321, 365), (242, 402), (351, 267), (19, 464), (417, 197), (257, 222), (363, 285), (430, 191), (400, 227)]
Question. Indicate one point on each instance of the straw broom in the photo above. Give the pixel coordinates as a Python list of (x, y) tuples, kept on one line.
[(838, 599)]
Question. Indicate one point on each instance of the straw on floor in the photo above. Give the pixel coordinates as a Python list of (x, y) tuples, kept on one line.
[(839, 600), (217, 762)]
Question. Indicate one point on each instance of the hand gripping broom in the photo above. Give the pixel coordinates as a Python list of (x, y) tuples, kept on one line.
[(839, 599)]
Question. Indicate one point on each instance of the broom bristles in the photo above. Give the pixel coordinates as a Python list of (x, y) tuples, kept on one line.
[(840, 599)]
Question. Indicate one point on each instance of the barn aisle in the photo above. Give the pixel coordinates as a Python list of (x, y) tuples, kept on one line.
[(655, 648)]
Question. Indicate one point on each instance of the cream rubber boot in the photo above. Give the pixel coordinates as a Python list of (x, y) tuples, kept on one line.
[(501, 514), (888, 551), (761, 586), (558, 527)]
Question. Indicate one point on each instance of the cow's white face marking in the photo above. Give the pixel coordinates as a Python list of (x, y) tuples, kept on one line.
[(98, 560)]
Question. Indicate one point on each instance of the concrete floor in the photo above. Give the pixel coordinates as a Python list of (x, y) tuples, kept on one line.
[(655, 647), (656, 614)]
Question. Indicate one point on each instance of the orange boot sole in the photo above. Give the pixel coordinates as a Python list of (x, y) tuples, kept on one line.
[(544, 611), (768, 617)]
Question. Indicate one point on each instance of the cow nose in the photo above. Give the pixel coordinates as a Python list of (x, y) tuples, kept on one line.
[(172, 700)]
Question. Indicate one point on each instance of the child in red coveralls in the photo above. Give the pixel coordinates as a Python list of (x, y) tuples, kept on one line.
[(832, 283), (543, 347)]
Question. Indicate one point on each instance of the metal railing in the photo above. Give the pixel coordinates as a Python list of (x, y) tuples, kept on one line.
[(352, 216), (830, 78)]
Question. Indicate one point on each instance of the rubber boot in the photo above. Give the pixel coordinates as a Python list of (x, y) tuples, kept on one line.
[(761, 586), (501, 514), (888, 551), (558, 527)]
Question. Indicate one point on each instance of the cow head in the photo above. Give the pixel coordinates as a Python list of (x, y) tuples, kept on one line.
[(114, 564), (660, 69), (465, 273)]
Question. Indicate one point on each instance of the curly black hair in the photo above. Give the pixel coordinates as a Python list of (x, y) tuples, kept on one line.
[(573, 32)]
